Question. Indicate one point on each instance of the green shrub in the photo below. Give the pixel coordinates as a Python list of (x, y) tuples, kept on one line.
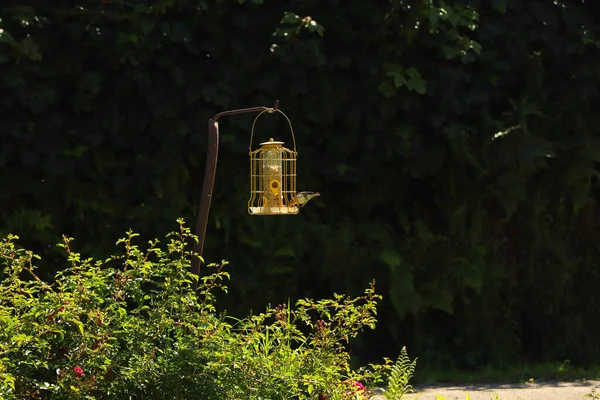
[(133, 327)]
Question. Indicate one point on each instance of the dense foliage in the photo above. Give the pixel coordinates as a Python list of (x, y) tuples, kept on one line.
[(134, 327), (455, 147)]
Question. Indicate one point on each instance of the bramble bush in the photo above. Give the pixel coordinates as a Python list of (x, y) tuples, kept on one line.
[(133, 326)]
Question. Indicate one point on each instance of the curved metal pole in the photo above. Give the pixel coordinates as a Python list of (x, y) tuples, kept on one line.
[(209, 179)]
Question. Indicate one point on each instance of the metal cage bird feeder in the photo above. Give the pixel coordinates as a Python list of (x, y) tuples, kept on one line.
[(273, 175), (272, 178)]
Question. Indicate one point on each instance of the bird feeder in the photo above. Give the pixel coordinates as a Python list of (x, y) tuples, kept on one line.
[(272, 176)]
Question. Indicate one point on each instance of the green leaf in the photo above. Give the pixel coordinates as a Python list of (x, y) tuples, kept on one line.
[(499, 5), (342, 168), (396, 72), (9, 380), (79, 326), (414, 81), (402, 292), (7, 38), (90, 83), (290, 18), (391, 258), (60, 333), (77, 151), (20, 337), (285, 251)]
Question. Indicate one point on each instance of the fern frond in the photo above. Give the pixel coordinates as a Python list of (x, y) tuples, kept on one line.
[(400, 376)]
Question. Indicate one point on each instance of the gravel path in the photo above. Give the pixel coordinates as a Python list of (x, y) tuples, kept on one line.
[(529, 391)]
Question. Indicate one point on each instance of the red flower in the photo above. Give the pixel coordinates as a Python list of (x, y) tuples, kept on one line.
[(78, 370), (359, 386)]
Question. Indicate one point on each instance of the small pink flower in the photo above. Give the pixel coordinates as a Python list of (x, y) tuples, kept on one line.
[(78, 370), (358, 385)]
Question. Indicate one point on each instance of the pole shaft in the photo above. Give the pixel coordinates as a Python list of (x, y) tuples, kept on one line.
[(207, 189), (209, 180)]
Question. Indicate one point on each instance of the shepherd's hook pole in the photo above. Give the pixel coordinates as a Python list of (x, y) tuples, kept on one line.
[(209, 180)]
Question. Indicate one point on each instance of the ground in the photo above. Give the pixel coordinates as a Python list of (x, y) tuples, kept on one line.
[(529, 391)]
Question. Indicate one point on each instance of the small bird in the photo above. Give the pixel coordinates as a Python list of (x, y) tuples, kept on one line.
[(302, 198)]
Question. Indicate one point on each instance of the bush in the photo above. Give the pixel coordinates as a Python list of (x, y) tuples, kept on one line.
[(133, 326)]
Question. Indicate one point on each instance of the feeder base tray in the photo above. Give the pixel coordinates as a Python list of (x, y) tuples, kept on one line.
[(274, 210)]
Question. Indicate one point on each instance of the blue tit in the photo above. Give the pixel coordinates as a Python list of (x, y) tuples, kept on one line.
[(302, 198)]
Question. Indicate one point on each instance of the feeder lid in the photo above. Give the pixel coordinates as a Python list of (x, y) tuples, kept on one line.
[(271, 142)]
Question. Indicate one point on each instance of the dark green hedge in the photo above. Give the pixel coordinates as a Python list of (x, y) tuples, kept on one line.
[(455, 146)]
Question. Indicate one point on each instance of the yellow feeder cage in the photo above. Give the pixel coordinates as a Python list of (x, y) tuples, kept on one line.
[(272, 176)]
